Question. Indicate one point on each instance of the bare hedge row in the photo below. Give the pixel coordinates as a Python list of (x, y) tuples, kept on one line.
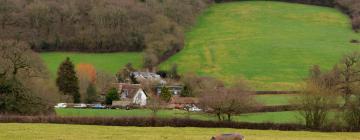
[(147, 122), (160, 122)]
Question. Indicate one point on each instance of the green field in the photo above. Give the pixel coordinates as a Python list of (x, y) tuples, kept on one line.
[(273, 100), (107, 62), (86, 132), (275, 117), (272, 44)]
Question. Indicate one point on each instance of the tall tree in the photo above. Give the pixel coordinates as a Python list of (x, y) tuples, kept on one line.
[(348, 73), (165, 94), (21, 80), (67, 81), (124, 74), (91, 95)]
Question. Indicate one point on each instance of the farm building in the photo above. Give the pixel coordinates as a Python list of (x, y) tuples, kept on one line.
[(132, 94)]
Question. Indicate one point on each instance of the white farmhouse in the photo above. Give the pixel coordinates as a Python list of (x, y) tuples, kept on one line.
[(132, 93)]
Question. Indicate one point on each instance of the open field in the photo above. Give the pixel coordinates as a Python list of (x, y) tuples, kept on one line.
[(86, 132), (273, 100), (275, 117), (272, 44), (107, 62)]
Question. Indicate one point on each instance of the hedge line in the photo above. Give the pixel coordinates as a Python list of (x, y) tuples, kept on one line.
[(147, 122), (276, 92), (158, 122), (327, 3)]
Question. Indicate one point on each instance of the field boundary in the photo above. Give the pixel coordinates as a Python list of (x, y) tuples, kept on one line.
[(161, 122), (276, 92)]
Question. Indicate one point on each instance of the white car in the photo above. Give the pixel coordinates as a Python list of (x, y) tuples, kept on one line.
[(80, 106), (195, 109), (61, 105)]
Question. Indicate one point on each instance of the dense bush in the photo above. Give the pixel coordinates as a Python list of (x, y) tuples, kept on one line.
[(25, 86)]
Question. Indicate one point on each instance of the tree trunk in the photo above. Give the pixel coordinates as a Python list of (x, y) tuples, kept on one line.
[(219, 116), (229, 117)]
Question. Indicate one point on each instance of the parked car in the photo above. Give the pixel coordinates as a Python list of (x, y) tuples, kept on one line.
[(98, 106), (195, 109), (192, 108), (80, 106), (61, 105)]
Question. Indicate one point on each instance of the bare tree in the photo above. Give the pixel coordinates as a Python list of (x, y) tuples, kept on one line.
[(228, 101), (348, 74), (317, 98), (7, 10), (155, 104), (17, 57)]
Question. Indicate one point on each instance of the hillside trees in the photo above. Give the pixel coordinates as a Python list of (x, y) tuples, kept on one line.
[(67, 81), (24, 84), (7, 11), (101, 25)]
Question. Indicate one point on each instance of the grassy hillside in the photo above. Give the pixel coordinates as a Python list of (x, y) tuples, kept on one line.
[(272, 44), (107, 62), (86, 132)]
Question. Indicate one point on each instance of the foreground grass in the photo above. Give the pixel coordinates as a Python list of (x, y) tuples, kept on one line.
[(86, 132), (272, 44), (107, 62), (274, 117)]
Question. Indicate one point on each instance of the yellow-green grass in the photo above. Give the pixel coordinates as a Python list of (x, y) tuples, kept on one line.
[(106, 62), (87, 132), (274, 117), (272, 44)]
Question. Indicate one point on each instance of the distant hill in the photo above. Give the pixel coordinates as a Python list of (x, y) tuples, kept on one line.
[(272, 44)]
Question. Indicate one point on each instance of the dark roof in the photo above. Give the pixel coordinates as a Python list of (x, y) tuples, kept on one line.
[(132, 89)]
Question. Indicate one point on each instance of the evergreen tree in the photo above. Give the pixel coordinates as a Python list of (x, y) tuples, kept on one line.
[(91, 93), (165, 94), (67, 81), (186, 92), (112, 95)]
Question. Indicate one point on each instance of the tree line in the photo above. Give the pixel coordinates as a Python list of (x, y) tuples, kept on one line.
[(154, 26)]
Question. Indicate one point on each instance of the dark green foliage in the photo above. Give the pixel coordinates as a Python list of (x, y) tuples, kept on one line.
[(112, 95), (20, 74), (91, 93), (67, 81), (186, 92), (165, 94), (16, 99)]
